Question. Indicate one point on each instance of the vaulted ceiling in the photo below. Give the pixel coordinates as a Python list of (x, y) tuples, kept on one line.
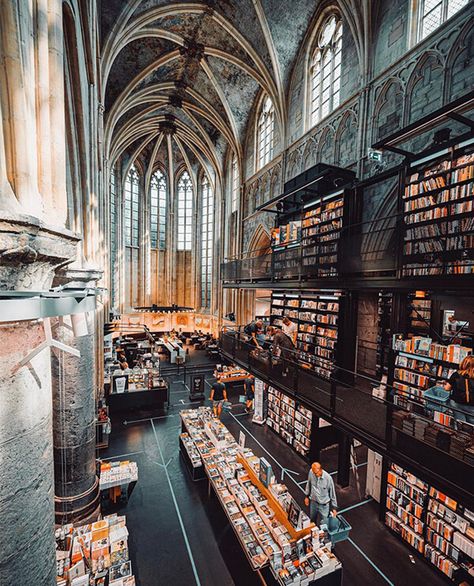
[(188, 73)]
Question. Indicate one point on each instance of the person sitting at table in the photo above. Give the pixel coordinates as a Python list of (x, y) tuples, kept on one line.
[(218, 396)]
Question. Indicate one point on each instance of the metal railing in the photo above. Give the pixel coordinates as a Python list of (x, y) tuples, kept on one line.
[(347, 399)]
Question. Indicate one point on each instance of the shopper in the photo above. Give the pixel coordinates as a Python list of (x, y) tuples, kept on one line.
[(249, 387), (320, 495), (282, 349), (255, 331), (218, 396), (461, 385), (290, 329)]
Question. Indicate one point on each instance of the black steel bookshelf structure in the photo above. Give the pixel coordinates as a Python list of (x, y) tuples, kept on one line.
[(415, 252)]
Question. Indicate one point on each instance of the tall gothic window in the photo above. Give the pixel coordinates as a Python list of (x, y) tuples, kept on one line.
[(185, 212), (207, 242), (113, 232), (235, 185), (158, 205), (325, 71), (265, 132), (434, 12), (131, 207)]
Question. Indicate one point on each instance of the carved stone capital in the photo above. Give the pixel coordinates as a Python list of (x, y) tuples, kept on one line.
[(31, 251), (77, 278)]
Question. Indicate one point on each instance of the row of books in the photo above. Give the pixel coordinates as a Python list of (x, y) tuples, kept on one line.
[(442, 167), (287, 233), (430, 270), (424, 346), (432, 523), (290, 420)]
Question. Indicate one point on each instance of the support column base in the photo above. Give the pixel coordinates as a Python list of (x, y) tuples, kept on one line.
[(83, 507)]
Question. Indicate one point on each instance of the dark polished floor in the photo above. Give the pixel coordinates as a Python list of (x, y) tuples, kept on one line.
[(180, 536)]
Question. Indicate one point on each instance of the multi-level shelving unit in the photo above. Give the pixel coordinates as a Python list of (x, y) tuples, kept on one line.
[(419, 314), (290, 420), (438, 205), (317, 316), (435, 525), (321, 230)]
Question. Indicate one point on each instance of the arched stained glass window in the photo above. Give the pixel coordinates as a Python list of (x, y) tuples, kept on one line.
[(325, 71), (265, 132), (158, 210), (131, 207), (185, 212), (207, 241)]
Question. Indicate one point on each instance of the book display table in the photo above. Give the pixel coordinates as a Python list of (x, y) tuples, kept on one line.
[(118, 477), (96, 554), (154, 398), (277, 538)]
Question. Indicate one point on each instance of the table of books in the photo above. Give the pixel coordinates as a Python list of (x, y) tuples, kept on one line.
[(96, 553), (115, 475), (293, 553)]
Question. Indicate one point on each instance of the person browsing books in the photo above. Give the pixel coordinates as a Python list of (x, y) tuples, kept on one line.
[(255, 331), (320, 495), (290, 329), (461, 385), (218, 396)]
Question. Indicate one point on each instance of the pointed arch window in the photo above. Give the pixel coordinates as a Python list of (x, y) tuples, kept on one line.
[(434, 12), (207, 242), (132, 207), (158, 210), (185, 212), (325, 71), (113, 232), (235, 185), (265, 132)]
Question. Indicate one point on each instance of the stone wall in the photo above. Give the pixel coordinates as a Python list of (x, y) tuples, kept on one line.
[(407, 82)]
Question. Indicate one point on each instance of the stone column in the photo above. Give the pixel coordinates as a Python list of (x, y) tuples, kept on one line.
[(74, 407), (29, 253), (26, 459)]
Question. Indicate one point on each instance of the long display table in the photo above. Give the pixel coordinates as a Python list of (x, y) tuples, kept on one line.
[(279, 541)]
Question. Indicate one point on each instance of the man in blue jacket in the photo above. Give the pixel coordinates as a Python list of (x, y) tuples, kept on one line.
[(320, 494)]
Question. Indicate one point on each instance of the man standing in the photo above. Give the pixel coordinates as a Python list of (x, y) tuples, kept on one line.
[(320, 495), (249, 386), (218, 396)]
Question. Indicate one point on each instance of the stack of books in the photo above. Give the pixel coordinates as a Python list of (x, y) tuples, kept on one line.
[(95, 553)]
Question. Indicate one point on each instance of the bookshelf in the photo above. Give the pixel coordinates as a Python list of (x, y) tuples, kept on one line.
[(438, 205), (291, 420), (421, 363), (317, 316), (384, 312), (436, 526), (419, 314), (322, 224)]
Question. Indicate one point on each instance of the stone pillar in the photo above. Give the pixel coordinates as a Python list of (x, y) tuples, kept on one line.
[(74, 406), (29, 253), (26, 459)]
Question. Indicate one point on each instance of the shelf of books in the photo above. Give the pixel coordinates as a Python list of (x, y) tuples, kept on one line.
[(435, 525), (290, 420), (320, 234), (317, 316), (438, 205), (419, 314), (421, 364), (286, 248)]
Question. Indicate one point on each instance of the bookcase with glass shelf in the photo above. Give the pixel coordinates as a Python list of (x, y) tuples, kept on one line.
[(435, 525), (317, 316), (438, 205)]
